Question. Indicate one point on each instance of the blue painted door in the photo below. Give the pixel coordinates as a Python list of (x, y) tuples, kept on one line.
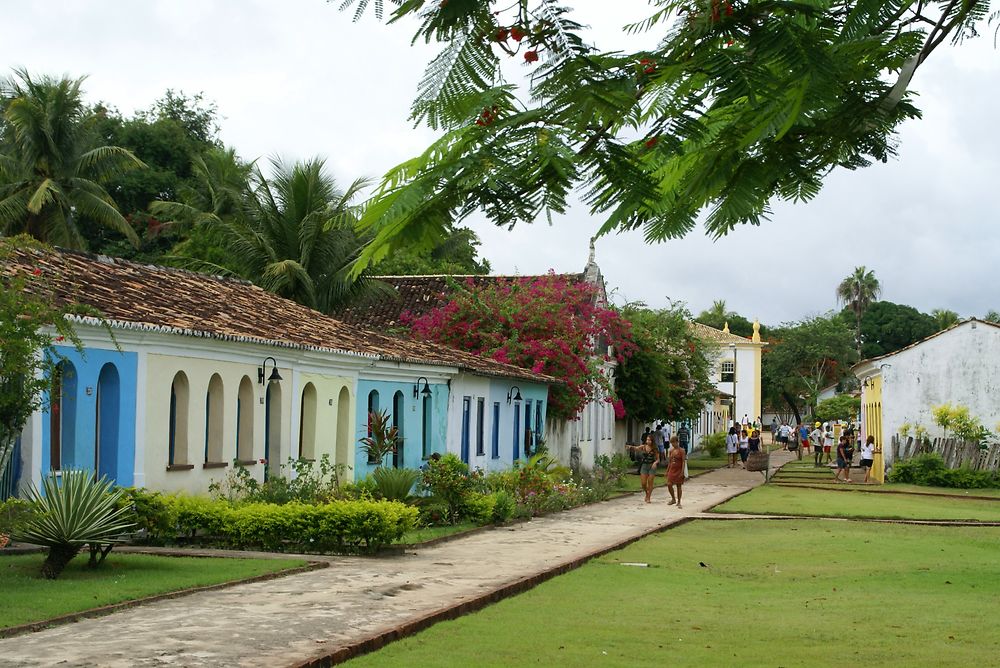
[(517, 432), (466, 419), (108, 423)]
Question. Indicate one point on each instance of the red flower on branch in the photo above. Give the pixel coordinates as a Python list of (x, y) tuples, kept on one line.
[(530, 56)]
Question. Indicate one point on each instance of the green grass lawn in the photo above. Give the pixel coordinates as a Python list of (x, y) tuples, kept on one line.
[(781, 500), (28, 597), (790, 593), (888, 487), (425, 534)]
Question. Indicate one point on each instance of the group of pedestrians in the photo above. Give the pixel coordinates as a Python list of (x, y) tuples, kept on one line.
[(827, 446), (652, 453), (741, 441)]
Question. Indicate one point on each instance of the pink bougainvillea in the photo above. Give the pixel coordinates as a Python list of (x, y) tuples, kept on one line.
[(549, 324)]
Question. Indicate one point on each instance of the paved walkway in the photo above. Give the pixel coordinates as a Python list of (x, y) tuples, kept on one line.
[(290, 620)]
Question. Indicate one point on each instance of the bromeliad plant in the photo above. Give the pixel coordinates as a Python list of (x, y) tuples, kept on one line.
[(382, 437), (72, 511)]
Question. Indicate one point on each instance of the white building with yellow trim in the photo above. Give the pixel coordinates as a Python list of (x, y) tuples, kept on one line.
[(736, 375), (959, 365)]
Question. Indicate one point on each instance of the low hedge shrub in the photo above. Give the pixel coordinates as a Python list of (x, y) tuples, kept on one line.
[(929, 469), (338, 526)]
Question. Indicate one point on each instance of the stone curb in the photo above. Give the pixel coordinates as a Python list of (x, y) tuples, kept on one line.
[(102, 611), (734, 517), (842, 488), (380, 639)]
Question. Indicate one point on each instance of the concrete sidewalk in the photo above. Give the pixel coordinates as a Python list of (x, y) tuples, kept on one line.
[(290, 620)]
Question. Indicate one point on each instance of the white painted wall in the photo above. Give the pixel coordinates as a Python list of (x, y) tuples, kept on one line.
[(747, 378), (960, 366)]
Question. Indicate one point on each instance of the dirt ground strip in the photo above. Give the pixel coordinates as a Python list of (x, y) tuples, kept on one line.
[(292, 620)]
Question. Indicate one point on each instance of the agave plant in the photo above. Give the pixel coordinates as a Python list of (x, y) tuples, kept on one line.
[(72, 511), (395, 484)]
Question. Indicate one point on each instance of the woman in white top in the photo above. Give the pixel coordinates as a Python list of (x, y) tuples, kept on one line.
[(744, 448), (868, 455), (732, 446)]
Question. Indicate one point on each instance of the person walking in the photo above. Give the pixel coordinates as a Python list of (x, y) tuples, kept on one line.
[(648, 457), (676, 458), (828, 440), (774, 429), (753, 443), (744, 443), (732, 446), (658, 441), (843, 473), (868, 455), (816, 440), (804, 438), (783, 432)]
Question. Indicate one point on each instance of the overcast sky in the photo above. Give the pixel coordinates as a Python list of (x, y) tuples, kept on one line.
[(297, 78)]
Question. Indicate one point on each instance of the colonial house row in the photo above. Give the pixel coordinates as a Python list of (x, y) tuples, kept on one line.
[(578, 440), (959, 365), (595, 430), (185, 374)]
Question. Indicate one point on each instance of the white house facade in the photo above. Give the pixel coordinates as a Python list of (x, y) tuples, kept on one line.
[(959, 365)]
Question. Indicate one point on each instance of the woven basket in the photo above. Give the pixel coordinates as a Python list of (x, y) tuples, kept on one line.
[(757, 461)]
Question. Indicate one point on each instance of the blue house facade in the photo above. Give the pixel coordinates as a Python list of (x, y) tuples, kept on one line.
[(90, 419), (418, 410)]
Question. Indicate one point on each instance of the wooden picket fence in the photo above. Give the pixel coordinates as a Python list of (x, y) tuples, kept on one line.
[(956, 453)]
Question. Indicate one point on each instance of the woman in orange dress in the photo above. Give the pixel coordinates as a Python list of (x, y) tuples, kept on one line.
[(675, 471)]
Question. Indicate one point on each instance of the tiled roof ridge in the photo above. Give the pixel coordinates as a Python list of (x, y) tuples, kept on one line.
[(75, 268), (218, 336), (111, 259), (742, 339)]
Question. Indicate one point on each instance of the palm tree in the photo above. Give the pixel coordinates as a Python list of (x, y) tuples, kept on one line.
[(945, 318), (291, 233), (858, 291), (992, 316), (52, 168)]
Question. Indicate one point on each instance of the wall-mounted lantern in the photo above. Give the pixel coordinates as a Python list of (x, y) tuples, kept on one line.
[(426, 391), (513, 394), (274, 377)]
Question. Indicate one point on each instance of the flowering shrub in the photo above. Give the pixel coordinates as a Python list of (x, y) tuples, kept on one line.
[(548, 324), (449, 481)]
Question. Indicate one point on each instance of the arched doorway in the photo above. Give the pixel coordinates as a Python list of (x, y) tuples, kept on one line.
[(344, 430), (215, 409), (397, 421), (244, 421), (62, 416), (177, 444), (307, 423), (272, 430), (108, 426)]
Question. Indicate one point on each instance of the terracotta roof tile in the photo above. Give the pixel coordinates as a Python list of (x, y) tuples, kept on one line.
[(134, 295), (717, 335)]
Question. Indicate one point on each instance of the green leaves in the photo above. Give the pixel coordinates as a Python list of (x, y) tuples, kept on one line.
[(52, 170), (742, 103), (74, 509)]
